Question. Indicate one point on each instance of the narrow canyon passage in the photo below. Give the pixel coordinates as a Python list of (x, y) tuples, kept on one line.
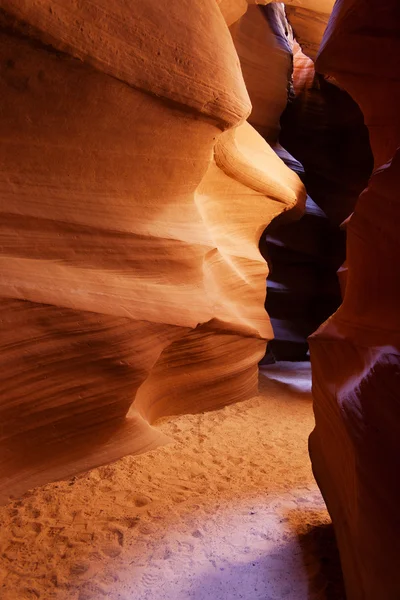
[(229, 510), (162, 162)]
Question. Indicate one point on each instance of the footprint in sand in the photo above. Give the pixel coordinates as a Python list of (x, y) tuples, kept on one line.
[(33, 511), (130, 522), (141, 501), (12, 512), (35, 527), (150, 579), (119, 535), (111, 551), (30, 594), (79, 569), (235, 460), (185, 547)]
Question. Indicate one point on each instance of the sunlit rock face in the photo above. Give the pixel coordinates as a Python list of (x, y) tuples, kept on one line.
[(262, 42), (356, 354), (309, 19), (132, 198)]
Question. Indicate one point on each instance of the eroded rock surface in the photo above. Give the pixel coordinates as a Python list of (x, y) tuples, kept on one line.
[(323, 128), (356, 354), (266, 61), (132, 199)]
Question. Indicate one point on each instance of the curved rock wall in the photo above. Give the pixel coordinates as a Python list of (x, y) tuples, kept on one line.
[(264, 41), (132, 198), (324, 129), (356, 353), (266, 62), (309, 21)]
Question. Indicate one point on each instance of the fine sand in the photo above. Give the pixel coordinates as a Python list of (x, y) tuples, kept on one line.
[(229, 510)]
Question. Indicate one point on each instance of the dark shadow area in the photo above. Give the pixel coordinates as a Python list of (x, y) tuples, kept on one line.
[(279, 574), (322, 563), (324, 140)]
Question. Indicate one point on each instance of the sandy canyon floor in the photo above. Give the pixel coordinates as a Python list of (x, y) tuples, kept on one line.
[(229, 510)]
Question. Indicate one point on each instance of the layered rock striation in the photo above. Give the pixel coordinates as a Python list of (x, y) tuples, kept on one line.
[(132, 198), (356, 353), (322, 127)]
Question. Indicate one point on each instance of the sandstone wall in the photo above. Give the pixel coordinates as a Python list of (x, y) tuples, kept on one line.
[(132, 198), (355, 354)]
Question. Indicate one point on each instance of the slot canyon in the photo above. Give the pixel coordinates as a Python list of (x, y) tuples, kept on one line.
[(199, 300)]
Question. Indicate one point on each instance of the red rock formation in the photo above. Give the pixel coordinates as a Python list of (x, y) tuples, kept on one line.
[(356, 354), (130, 215), (266, 63), (323, 128), (309, 19), (263, 39)]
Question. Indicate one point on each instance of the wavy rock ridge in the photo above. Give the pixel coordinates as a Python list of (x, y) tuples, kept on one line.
[(356, 353), (132, 198)]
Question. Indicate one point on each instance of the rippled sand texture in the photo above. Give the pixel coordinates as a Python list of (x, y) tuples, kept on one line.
[(229, 510)]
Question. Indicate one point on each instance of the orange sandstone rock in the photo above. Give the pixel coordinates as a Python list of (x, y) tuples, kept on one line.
[(132, 199), (266, 64)]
